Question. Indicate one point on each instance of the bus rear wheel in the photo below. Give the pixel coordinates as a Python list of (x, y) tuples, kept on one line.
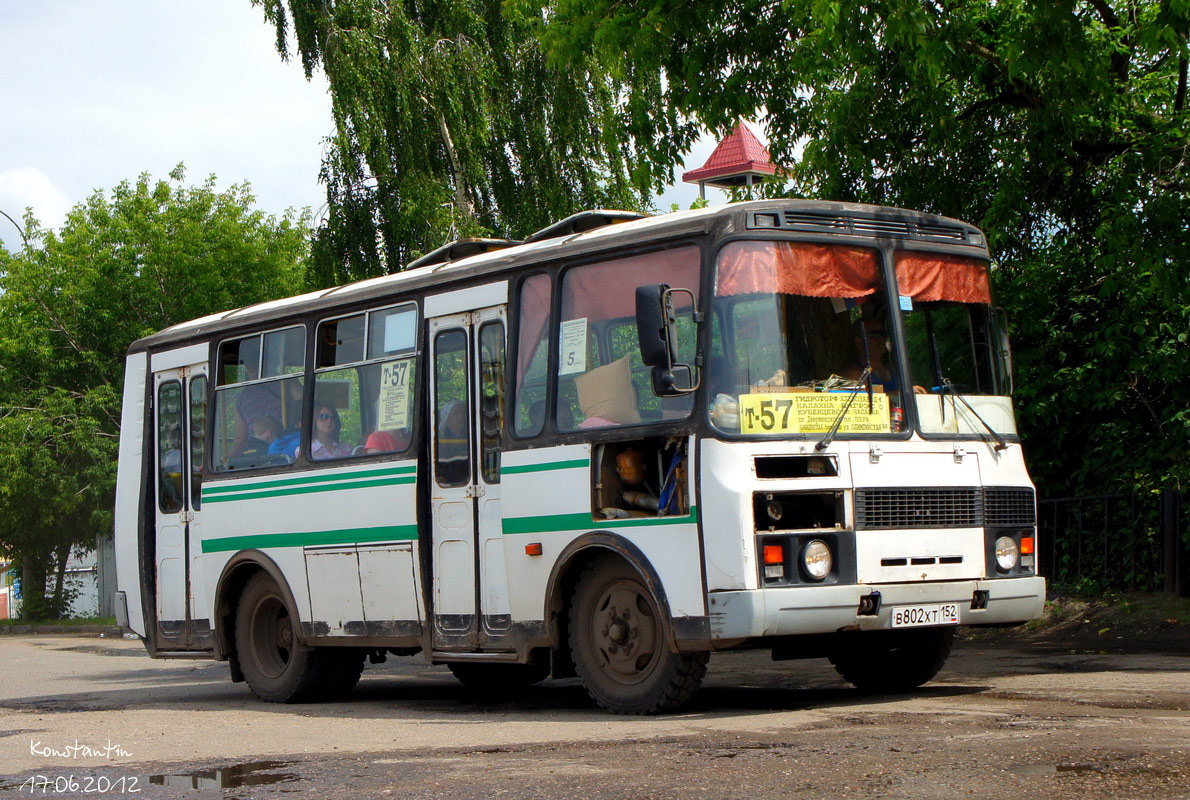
[(892, 661), (276, 666), (620, 648)]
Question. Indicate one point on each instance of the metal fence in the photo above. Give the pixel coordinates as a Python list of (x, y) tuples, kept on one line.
[(1116, 542)]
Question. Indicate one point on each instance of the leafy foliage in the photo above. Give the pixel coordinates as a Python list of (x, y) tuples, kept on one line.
[(449, 124), (1060, 128), (151, 255)]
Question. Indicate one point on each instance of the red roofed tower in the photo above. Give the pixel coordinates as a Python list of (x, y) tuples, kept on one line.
[(739, 160)]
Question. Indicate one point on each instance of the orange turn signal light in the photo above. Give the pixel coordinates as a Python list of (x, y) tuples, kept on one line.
[(1026, 545), (533, 549), (774, 554)]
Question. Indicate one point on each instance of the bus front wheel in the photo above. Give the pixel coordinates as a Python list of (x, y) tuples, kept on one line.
[(276, 666), (892, 661), (619, 644)]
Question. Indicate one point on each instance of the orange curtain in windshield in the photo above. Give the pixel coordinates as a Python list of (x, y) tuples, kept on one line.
[(814, 270), (938, 276)]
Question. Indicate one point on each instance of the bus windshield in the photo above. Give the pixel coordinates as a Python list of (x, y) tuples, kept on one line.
[(799, 329), (957, 345)]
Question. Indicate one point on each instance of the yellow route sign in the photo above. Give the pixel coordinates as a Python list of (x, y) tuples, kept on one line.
[(812, 412)]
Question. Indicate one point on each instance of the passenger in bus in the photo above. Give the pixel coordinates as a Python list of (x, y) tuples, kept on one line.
[(453, 442), (286, 443), (325, 442), (262, 436), (171, 467), (883, 375), (260, 400), (391, 441)]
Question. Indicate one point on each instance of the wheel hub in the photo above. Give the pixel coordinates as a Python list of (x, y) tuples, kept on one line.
[(626, 631)]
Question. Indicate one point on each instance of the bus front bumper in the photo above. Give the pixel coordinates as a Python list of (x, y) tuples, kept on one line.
[(791, 611)]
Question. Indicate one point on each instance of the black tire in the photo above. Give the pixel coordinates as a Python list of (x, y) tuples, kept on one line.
[(489, 677), (620, 647), (277, 668), (892, 661)]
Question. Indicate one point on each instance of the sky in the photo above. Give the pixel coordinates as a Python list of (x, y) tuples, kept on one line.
[(95, 92)]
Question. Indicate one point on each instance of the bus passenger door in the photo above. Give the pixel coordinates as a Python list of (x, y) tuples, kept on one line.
[(470, 597), (179, 424)]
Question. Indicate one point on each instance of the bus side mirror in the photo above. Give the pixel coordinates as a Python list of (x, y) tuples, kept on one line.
[(656, 329), (655, 325)]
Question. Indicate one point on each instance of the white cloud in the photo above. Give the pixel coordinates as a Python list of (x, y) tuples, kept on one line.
[(99, 91), (29, 187)]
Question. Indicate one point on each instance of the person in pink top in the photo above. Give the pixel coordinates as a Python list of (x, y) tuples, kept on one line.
[(327, 427)]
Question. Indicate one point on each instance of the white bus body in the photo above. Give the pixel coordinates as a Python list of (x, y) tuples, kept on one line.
[(480, 460)]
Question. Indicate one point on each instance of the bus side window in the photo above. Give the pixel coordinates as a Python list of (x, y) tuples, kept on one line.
[(452, 444), (364, 384), (532, 355), (491, 398), (169, 447), (602, 381), (258, 400)]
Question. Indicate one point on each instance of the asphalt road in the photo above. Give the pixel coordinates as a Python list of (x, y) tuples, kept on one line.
[(89, 717)]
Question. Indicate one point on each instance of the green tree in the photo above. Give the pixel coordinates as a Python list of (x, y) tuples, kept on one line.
[(1058, 127), (449, 123), (152, 254)]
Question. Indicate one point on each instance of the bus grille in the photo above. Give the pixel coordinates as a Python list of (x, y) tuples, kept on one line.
[(1009, 506), (877, 509), (918, 508)]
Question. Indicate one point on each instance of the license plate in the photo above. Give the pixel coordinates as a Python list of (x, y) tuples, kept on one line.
[(924, 615)]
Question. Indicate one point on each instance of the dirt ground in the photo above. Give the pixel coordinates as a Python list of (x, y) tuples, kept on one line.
[(1094, 702)]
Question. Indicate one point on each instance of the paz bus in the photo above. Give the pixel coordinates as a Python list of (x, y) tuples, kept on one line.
[(606, 451)]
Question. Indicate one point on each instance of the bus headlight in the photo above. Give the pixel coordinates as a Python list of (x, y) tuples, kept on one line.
[(816, 559), (1007, 553)]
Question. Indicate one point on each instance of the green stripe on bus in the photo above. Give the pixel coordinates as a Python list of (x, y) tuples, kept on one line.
[(311, 538), (585, 522), (341, 476), (578, 462), (325, 487)]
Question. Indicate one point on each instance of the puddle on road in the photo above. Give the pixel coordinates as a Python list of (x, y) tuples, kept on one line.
[(1053, 769), (256, 773), (100, 650)]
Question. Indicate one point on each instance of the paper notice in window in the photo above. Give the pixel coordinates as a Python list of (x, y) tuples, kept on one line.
[(393, 412), (812, 412), (572, 356)]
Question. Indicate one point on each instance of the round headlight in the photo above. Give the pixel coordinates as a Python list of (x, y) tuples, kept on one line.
[(1007, 553), (816, 559)]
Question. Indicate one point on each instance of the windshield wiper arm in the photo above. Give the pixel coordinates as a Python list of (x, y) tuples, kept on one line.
[(826, 440), (947, 386)]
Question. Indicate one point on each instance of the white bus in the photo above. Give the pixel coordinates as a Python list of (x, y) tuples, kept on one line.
[(606, 451)]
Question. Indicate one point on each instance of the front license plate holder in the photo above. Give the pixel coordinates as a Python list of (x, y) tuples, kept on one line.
[(926, 615)]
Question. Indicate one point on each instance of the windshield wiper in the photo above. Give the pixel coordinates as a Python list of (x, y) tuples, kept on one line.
[(826, 440), (947, 386)]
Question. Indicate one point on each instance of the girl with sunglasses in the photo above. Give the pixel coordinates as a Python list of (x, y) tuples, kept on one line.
[(327, 426)]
